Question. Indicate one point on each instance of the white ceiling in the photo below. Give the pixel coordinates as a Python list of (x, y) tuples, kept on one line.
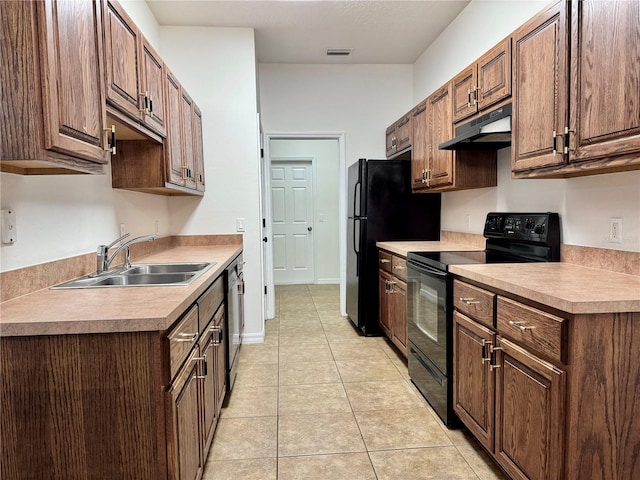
[(378, 31)]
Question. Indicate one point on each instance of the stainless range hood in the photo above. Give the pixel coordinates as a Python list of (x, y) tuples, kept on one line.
[(491, 131)]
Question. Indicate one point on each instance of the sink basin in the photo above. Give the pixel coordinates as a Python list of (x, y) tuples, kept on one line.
[(146, 279), (143, 275), (166, 268)]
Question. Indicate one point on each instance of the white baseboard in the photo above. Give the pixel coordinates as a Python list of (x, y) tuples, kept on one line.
[(249, 338), (328, 281)]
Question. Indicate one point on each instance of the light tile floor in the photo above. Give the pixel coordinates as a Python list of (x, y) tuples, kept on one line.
[(316, 401)]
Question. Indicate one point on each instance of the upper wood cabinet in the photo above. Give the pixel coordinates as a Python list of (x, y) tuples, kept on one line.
[(174, 167), (419, 160), (398, 136), (579, 118), (484, 83), (133, 70), (443, 170), (198, 148), (52, 101), (540, 101)]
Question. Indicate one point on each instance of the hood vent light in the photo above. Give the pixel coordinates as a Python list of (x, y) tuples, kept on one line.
[(338, 52)]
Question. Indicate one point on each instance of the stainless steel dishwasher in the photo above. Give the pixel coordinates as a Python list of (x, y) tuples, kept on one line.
[(235, 319)]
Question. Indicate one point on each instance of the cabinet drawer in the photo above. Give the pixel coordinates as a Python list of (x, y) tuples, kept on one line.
[(209, 302), (533, 328), (474, 302), (399, 267), (384, 261), (182, 339)]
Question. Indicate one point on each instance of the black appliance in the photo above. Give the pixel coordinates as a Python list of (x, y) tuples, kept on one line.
[(235, 319), (491, 131), (381, 207), (511, 238)]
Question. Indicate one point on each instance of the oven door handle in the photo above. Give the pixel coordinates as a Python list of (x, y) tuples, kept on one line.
[(427, 270)]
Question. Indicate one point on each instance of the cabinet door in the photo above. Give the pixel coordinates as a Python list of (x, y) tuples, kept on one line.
[(403, 131), (184, 422), (494, 75), (209, 412), (540, 90), (605, 80), (440, 130), (390, 140), (462, 89), (152, 81), (198, 148), (173, 142), (419, 146), (384, 302), (122, 58), (399, 315), (474, 384), (73, 86), (220, 347), (187, 140), (530, 413)]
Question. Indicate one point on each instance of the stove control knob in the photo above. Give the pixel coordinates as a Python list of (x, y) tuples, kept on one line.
[(539, 229)]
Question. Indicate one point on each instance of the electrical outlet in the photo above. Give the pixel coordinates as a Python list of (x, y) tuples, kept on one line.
[(9, 230), (122, 229), (157, 225), (615, 230), (467, 221)]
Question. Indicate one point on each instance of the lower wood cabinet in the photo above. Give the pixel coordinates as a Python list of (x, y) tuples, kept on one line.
[(544, 394), (126, 405), (392, 294), (183, 408)]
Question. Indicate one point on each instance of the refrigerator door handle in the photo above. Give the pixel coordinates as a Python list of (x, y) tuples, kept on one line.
[(356, 197), (355, 245)]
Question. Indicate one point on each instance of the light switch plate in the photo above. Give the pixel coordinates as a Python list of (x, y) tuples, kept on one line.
[(239, 224), (9, 229)]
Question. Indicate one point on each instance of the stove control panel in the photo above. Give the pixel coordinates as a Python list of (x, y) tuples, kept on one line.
[(531, 227)]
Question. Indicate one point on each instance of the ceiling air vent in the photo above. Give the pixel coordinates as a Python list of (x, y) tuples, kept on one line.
[(338, 52)]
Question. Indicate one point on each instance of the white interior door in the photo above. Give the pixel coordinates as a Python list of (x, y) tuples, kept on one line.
[(292, 222)]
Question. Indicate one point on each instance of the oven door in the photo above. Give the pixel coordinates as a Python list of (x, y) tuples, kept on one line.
[(427, 309)]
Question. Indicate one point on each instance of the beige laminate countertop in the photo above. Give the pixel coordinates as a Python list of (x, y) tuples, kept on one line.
[(567, 287), (403, 248), (116, 309)]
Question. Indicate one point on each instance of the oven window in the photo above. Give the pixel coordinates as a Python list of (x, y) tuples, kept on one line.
[(429, 306), (427, 316)]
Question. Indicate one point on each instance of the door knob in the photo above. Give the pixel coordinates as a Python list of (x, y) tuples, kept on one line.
[(265, 239), (309, 228)]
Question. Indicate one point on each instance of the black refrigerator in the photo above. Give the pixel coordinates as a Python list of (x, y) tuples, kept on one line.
[(381, 207)]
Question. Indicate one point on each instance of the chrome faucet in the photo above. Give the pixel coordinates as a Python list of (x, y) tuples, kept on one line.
[(104, 260)]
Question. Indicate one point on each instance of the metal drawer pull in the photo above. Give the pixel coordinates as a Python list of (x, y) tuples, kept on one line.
[(384, 260), (493, 367), (192, 337), (399, 267), (469, 301), (520, 327)]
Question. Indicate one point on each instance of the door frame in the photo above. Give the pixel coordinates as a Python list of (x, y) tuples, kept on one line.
[(266, 211), (312, 162)]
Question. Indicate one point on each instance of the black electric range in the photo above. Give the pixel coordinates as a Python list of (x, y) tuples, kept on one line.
[(511, 238)]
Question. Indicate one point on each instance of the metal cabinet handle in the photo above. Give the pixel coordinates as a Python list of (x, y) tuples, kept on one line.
[(520, 327), (485, 344), (555, 142), (202, 359), (399, 267), (192, 337), (384, 260), (469, 301), (111, 146), (468, 98)]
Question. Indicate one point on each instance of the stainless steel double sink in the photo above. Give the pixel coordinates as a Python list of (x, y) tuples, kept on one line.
[(143, 275)]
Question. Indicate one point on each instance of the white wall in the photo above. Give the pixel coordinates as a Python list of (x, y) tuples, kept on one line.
[(360, 100), (585, 204), (217, 67), (326, 158), (67, 215)]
